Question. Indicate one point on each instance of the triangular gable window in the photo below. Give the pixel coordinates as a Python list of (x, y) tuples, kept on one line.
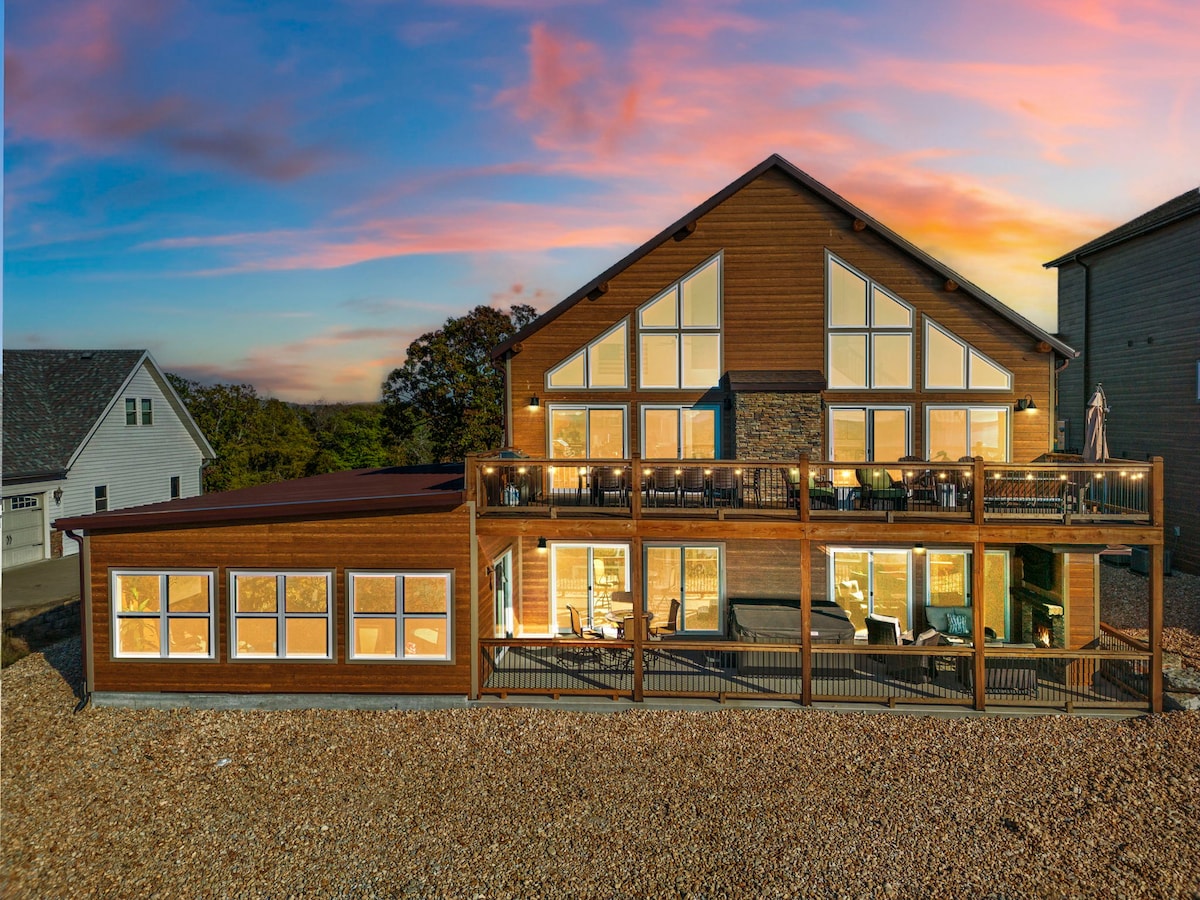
[(953, 364), (603, 363)]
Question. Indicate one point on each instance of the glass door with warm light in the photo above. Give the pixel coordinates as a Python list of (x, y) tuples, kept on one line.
[(583, 432), (691, 575), (586, 576), (872, 581)]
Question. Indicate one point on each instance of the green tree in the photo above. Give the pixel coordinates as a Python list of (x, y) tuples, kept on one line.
[(349, 436), (447, 399), (257, 440)]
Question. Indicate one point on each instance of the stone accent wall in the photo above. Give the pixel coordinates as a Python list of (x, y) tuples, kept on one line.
[(777, 425), (56, 544)]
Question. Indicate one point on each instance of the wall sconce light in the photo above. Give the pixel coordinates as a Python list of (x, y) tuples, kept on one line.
[(58, 495), (541, 545), (535, 402), (1026, 403), (919, 549)]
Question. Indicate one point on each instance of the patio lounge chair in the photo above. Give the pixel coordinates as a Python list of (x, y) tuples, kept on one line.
[(878, 489)]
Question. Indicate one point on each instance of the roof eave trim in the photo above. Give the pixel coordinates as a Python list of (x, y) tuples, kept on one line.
[(1087, 249)]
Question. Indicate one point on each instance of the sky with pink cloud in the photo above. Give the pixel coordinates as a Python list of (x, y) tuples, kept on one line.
[(288, 193)]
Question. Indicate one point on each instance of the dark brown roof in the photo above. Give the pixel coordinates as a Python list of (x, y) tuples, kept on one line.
[(1186, 204), (775, 161), (360, 490), (789, 381)]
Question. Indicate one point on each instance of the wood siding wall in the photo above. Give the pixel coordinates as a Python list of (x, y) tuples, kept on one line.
[(1082, 572), (774, 234), (439, 541), (1143, 343)]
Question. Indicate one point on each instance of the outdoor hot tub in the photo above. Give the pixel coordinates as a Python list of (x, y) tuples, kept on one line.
[(762, 623)]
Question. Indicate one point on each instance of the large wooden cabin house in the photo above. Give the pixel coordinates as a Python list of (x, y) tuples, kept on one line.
[(776, 451)]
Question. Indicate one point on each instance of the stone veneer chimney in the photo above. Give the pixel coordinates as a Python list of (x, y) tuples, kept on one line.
[(776, 414)]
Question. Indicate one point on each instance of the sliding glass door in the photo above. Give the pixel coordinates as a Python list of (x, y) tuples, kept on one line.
[(872, 581), (585, 576), (690, 574)]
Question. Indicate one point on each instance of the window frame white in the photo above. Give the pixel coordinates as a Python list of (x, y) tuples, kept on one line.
[(679, 409), (683, 547), (146, 411), (869, 331), (585, 353), (967, 408), (100, 498), (176, 487), (131, 411), (281, 615), (679, 330), (399, 617), (24, 501), (162, 615), (968, 350)]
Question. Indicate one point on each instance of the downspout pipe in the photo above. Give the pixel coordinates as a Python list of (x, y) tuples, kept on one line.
[(1087, 323), (85, 610)]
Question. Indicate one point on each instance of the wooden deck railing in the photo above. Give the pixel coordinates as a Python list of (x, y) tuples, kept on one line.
[(1070, 679), (1118, 492)]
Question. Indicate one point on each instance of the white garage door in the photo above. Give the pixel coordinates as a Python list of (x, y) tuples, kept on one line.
[(24, 529)]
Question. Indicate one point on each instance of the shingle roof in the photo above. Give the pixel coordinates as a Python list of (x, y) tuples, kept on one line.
[(775, 161), (1186, 204), (356, 491), (52, 398)]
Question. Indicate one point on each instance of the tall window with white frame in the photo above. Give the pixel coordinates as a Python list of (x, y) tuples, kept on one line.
[(955, 432), (870, 343), (400, 615), (131, 411), (281, 615), (162, 615), (679, 333), (100, 497)]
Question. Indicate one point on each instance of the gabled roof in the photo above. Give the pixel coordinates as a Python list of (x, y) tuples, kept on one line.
[(55, 399), (360, 490), (775, 161), (1186, 204)]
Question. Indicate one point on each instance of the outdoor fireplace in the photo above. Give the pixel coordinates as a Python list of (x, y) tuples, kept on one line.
[(1040, 621)]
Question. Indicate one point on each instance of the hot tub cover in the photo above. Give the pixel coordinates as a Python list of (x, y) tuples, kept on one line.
[(773, 624)]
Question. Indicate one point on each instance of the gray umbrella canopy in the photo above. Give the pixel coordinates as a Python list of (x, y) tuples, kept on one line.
[(1095, 438)]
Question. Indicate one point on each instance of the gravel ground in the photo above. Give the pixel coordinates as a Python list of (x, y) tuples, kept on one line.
[(1125, 604), (535, 803)]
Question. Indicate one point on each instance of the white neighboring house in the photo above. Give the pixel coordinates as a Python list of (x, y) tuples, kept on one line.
[(85, 431)]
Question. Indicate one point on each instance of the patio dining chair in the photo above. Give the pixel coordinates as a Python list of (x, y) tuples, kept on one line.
[(663, 481), (692, 482), (585, 632), (723, 487), (670, 624), (609, 481)]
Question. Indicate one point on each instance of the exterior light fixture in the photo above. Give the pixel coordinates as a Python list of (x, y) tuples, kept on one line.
[(919, 549), (541, 545), (58, 495), (535, 402), (1026, 404)]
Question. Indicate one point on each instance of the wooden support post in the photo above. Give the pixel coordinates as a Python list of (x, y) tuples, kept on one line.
[(1156, 626), (635, 488), (806, 620), (1157, 561), (639, 615), (802, 498), (977, 610), (977, 490)]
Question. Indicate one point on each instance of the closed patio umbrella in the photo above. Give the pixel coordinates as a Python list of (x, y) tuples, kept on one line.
[(1095, 438)]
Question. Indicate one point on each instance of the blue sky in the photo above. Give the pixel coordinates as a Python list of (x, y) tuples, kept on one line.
[(288, 193)]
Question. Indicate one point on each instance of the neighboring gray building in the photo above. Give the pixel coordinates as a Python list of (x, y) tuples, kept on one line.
[(1129, 301), (86, 430)]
